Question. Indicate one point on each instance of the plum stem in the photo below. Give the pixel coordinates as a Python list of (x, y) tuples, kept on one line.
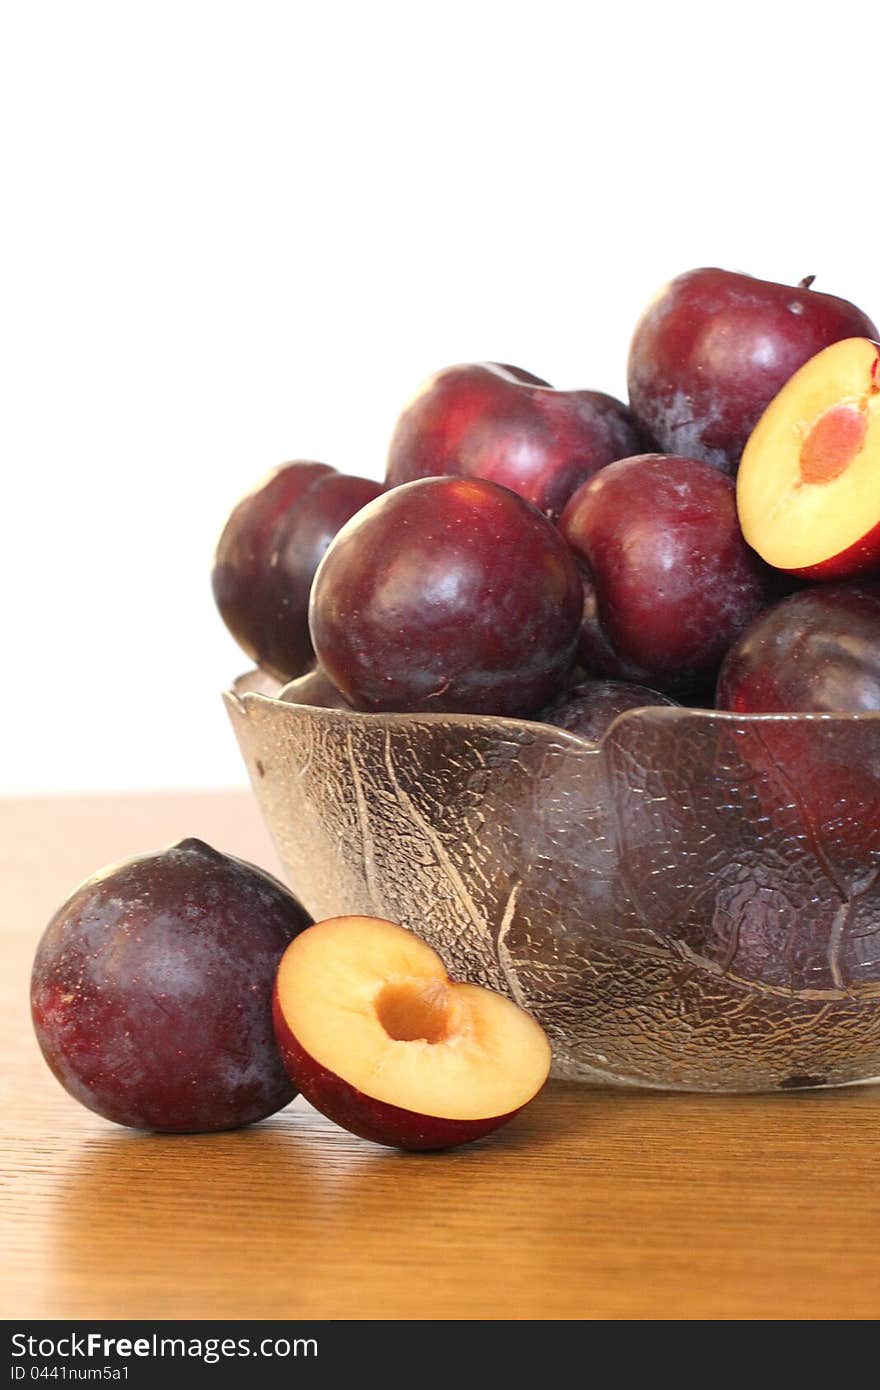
[(191, 845)]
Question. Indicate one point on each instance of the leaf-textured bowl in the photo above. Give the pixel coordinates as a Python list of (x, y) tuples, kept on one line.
[(694, 903)]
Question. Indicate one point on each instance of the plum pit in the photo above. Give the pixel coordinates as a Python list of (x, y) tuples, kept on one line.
[(415, 1010), (832, 443)]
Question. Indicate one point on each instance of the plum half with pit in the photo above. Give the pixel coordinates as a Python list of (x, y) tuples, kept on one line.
[(151, 991), (447, 595), (808, 487), (674, 581), (485, 420), (379, 1039), (713, 349), (267, 556)]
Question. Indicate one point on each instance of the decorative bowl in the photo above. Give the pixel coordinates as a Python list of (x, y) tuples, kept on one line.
[(694, 903)]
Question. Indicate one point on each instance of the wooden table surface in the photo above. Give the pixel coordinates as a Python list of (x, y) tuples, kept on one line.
[(593, 1204)]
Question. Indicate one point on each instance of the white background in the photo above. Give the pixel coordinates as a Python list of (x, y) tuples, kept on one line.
[(234, 234)]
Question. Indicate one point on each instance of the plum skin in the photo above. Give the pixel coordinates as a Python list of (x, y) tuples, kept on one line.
[(711, 352), (589, 709), (451, 595), (484, 420), (267, 555), (151, 991), (817, 651), (315, 689), (673, 581)]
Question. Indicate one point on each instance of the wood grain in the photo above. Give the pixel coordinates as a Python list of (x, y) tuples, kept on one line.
[(594, 1204)]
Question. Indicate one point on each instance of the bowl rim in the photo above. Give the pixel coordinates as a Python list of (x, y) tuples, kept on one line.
[(658, 713)]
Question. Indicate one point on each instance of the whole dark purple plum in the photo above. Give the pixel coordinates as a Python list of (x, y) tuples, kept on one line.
[(815, 653), (151, 991), (818, 651), (672, 582), (447, 595), (590, 708), (712, 350), (485, 420), (267, 555)]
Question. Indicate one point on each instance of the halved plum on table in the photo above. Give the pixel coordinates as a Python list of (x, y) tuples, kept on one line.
[(152, 986), (267, 556), (483, 420), (447, 595), (378, 1038), (808, 489), (673, 581), (714, 348)]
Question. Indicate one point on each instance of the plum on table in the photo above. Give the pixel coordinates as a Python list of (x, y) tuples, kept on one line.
[(378, 1038), (151, 991)]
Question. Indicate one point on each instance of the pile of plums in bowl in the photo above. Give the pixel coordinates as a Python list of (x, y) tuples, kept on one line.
[(587, 695)]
